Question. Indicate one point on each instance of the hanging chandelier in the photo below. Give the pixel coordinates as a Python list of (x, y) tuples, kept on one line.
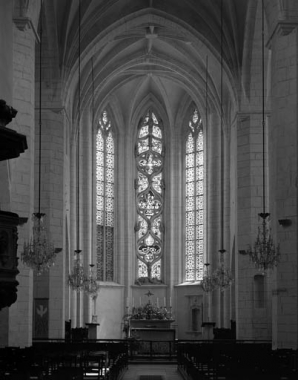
[(263, 252), (222, 276), (77, 279), (91, 287), (39, 253), (208, 284)]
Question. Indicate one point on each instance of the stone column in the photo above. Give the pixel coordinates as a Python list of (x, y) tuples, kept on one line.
[(6, 41), (53, 196), (22, 170), (88, 207), (214, 204), (244, 203), (251, 323), (6, 88), (283, 181)]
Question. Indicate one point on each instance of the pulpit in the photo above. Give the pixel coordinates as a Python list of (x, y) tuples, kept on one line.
[(8, 258), (12, 144)]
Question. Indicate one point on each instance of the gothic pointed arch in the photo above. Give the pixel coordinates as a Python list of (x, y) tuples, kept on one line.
[(150, 101)]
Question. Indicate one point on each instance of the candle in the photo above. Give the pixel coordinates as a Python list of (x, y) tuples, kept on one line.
[(164, 301), (170, 302), (127, 302), (133, 302), (157, 302), (140, 301)]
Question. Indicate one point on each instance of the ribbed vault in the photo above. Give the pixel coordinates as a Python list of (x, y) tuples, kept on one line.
[(152, 46)]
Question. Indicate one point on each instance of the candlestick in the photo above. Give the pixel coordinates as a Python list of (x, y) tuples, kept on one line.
[(94, 305)]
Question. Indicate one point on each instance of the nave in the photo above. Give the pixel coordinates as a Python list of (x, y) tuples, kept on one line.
[(148, 180)]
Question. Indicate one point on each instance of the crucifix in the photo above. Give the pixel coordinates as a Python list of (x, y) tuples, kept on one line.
[(149, 294)]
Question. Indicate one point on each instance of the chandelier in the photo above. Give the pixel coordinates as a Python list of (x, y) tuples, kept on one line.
[(222, 276), (39, 253), (208, 284), (91, 287), (263, 253), (77, 279)]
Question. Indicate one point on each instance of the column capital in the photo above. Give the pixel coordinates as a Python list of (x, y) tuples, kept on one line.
[(282, 28), (23, 23)]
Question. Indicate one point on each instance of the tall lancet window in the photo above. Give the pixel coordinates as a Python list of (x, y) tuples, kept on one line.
[(194, 199), (149, 198), (105, 199)]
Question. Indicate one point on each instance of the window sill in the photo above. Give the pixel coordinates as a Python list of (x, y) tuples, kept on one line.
[(109, 284), (197, 283), (149, 286)]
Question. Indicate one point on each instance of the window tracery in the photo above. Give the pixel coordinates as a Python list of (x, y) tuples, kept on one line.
[(105, 199), (194, 199), (149, 197)]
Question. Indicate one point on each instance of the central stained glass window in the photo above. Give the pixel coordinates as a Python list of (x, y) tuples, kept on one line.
[(149, 197), (194, 199)]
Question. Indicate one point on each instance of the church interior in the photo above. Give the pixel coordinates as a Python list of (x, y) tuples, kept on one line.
[(148, 173)]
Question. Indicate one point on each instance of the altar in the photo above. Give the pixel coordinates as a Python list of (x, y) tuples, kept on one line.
[(151, 323), (154, 337), (150, 329)]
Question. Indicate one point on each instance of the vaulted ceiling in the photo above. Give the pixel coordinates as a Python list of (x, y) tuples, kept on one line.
[(132, 48)]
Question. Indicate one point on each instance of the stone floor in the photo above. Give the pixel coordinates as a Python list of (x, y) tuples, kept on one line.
[(137, 371)]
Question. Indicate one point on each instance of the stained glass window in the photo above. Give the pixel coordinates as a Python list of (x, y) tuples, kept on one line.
[(149, 197), (194, 202), (105, 199)]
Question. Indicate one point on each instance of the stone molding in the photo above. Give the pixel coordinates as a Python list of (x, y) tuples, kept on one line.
[(243, 116), (281, 29), (24, 23)]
